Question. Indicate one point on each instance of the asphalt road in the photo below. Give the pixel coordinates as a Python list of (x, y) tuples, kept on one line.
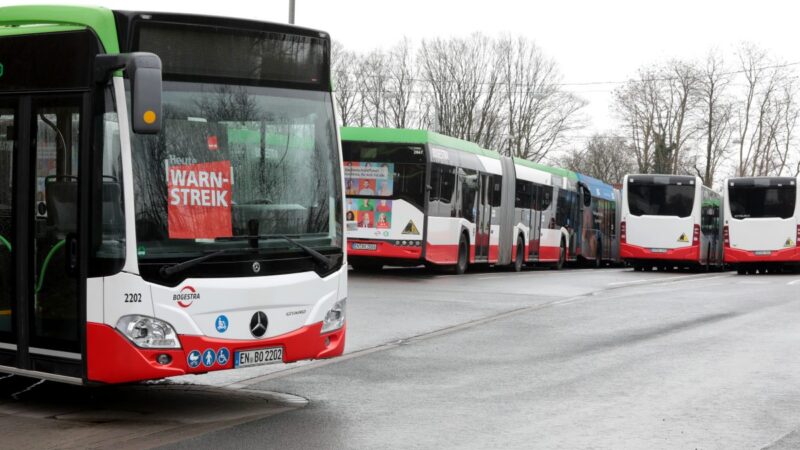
[(542, 359)]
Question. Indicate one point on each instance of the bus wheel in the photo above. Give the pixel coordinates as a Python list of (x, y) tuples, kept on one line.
[(562, 256), (647, 268), (741, 271), (598, 257), (638, 268), (463, 257), (519, 260)]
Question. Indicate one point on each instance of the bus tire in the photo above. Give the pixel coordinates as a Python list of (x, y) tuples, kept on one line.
[(598, 257), (462, 263), (519, 259), (562, 256), (741, 271)]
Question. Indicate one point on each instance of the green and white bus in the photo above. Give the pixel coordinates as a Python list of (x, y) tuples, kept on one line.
[(171, 195)]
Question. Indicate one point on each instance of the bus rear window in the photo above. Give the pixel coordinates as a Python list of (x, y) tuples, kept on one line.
[(385, 171), (762, 201), (651, 199)]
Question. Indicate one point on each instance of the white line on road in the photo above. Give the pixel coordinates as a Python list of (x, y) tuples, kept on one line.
[(792, 283), (668, 279)]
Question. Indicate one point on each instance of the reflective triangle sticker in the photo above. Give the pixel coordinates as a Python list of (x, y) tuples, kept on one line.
[(683, 238), (411, 228)]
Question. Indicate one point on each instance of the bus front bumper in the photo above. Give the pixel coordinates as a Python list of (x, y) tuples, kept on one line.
[(112, 358)]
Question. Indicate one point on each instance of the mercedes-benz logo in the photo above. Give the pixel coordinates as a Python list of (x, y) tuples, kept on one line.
[(258, 324), (256, 267)]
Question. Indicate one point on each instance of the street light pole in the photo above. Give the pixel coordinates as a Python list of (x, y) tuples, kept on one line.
[(291, 12)]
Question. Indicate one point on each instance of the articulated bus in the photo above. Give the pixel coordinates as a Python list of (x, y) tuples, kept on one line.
[(416, 196), (670, 221), (586, 209), (762, 224), (170, 195)]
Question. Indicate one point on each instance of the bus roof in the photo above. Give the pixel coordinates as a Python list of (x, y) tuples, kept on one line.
[(564, 173), (597, 187), (408, 136), (31, 19)]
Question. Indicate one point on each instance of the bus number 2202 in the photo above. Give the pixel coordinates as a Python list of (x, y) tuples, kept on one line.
[(133, 298)]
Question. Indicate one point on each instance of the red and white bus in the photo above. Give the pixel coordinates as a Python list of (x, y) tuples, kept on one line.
[(139, 245), (416, 196), (762, 224), (670, 221)]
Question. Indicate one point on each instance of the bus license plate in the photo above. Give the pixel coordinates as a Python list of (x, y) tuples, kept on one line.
[(261, 356), (658, 250), (763, 253), (360, 246)]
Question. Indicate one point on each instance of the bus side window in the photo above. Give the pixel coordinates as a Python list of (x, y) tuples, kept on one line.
[(497, 189)]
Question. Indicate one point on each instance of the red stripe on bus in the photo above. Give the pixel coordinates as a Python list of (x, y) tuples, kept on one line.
[(628, 251), (111, 358), (735, 255), (444, 254), (549, 254)]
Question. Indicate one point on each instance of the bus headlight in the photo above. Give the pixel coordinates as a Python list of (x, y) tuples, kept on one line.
[(334, 318), (148, 332)]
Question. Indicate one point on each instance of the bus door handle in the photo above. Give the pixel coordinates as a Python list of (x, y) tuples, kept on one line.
[(71, 248)]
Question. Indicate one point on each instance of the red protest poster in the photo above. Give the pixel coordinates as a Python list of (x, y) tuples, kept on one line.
[(200, 200)]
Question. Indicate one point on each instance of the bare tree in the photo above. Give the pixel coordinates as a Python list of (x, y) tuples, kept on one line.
[(463, 85), (655, 108), (715, 117), (635, 103), (402, 73), (347, 91), (605, 157), (374, 78), (538, 112)]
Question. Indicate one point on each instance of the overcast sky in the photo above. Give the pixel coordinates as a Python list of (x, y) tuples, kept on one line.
[(592, 40)]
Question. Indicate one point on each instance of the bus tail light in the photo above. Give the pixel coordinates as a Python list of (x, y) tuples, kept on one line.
[(148, 332), (696, 235), (797, 238), (726, 236), (623, 232)]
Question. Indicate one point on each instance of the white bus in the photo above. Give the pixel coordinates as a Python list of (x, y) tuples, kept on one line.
[(170, 195), (670, 221), (762, 224)]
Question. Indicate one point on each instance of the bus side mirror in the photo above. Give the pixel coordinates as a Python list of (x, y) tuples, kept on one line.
[(144, 71)]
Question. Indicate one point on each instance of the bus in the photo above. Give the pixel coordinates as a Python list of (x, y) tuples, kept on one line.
[(670, 221), (419, 197), (762, 224), (171, 195), (586, 210)]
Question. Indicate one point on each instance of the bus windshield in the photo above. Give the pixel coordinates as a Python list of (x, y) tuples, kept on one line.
[(661, 196), (237, 161), (762, 199), (391, 171)]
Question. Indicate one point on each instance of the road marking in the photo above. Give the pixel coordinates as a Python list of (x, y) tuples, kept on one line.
[(792, 283)]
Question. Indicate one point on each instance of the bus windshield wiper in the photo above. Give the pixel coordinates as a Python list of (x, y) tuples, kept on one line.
[(317, 256), (167, 271)]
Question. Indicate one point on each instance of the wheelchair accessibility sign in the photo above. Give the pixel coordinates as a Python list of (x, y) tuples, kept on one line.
[(223, 356)]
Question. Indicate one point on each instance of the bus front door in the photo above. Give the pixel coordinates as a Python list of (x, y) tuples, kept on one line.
[(41, 325)]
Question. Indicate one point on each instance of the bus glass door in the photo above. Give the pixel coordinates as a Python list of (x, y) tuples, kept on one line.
[(40, 323), (484, 219)]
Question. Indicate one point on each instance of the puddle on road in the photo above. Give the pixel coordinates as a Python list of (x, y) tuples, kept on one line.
[(53, 415)]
